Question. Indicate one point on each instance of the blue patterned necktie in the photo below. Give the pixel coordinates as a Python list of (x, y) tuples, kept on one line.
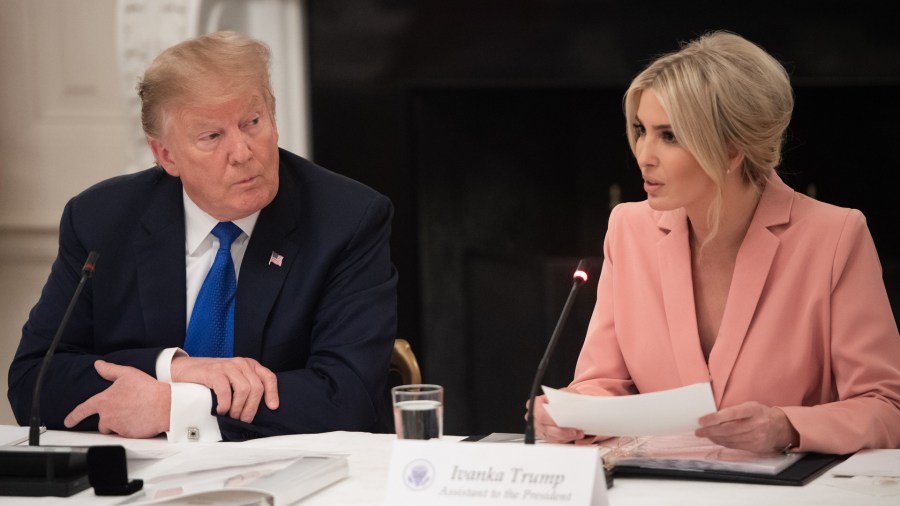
[(210, 332)]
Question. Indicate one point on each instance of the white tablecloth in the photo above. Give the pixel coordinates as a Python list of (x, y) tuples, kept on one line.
[(369, 456)]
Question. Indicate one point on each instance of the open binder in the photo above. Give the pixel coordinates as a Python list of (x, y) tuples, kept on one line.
[(801, 472), (689, 457)]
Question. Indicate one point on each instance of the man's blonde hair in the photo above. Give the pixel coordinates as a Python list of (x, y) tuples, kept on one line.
[(183, 75)]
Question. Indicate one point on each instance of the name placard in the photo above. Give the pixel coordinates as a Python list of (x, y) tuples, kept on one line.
[(443, 473)]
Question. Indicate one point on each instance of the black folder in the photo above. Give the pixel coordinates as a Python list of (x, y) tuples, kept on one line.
[(808, 468)]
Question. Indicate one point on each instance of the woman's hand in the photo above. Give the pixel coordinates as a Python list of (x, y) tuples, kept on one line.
[(749, 426), (545, 428)]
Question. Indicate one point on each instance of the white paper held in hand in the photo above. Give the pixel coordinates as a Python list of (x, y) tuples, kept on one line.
[(652, 414)]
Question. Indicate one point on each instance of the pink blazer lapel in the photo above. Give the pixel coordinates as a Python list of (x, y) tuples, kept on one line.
[(751, 272), (678, 298)]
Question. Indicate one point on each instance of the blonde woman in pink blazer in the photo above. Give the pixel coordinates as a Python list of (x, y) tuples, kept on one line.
[(724, 274)]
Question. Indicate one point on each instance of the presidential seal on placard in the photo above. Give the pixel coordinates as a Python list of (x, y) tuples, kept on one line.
[(418, 475)]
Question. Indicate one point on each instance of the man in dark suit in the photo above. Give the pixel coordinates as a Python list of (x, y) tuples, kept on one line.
[(308, 330)]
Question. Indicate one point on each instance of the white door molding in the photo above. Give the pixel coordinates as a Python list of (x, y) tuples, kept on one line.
[(146, 27)]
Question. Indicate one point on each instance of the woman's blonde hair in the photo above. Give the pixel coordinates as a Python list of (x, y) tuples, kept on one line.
[(183, 74), (724, 95)]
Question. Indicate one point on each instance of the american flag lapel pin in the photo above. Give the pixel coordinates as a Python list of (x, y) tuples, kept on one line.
[(276, 259)]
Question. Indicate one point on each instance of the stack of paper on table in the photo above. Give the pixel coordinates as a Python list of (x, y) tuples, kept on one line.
[(883, 463), (229, 473), (870, 472), (273, 472)]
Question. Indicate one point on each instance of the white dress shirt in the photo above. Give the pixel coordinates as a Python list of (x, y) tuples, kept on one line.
[(190, 416)]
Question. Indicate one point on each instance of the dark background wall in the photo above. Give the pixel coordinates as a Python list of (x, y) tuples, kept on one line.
[(496, 129)]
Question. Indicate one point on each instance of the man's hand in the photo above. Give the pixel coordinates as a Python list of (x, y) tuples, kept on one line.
[(749, 426), (239, 383), (135, 405)]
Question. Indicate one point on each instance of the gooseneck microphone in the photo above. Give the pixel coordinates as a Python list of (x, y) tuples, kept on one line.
[(35, 470), (578, 278), (62, 471), (34, 433)]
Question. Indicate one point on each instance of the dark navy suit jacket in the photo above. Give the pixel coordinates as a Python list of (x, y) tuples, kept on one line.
[(324, 321)]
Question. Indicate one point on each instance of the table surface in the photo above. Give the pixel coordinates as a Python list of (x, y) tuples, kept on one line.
[(369, 456)]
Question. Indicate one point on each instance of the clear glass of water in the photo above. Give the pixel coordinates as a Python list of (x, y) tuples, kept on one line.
[(418, 411)]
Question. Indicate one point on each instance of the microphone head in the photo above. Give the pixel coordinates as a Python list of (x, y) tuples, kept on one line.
[(581, 272), (90, 264)]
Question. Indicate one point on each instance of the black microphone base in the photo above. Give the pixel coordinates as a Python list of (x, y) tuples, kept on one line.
[(38, 471), (40, 487)]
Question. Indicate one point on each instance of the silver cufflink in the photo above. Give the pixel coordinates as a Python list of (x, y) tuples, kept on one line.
[(193, 433)]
